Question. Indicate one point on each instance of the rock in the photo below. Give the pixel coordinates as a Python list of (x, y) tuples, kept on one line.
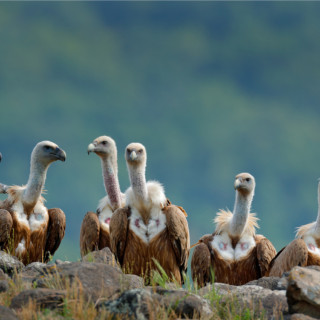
[(150, 303), (10, 264), (7, 314), (96, 279), (3, 276), (133, 304), (259, 299), (183, 303), (44, 298), (101, 256), (58, 261), (272, 283), (300, 316), (33, 269), (4, 285), (303, 291)]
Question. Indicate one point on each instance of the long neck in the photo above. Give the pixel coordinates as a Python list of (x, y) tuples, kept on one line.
[(317, 227), (138, 183), (111, 181), (240, 213), (37, 178)]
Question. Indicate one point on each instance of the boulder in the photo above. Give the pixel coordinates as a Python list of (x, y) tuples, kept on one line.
[(10, 264), (260, 300), (44, 298), (272, 283), (7, 314), (303, 291), (4, 285), (95, 279), (154, 303), (101, 256)]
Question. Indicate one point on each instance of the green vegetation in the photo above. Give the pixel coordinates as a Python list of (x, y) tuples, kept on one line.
[(211, 89)]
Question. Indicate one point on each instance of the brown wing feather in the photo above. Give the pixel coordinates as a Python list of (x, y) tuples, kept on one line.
[(265, 253), (89, 233), (119, 232), (294, 254), (200, 264), (55, 232), (178, 232), (5, 226)]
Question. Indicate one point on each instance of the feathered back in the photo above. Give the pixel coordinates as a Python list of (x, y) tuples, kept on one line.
[(303, 230), (224, 217)]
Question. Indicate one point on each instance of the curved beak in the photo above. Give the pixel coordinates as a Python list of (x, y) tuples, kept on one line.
[(133, 156), (61, 155), (237, 184), (91, 148), (0, 156)]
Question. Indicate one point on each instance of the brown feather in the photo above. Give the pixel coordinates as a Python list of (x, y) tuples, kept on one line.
[(119, 225), (201, 262), (89, 233), (294, 254), (178, 232), (5, 226), (55, 232), (234, 272), (170, 247)]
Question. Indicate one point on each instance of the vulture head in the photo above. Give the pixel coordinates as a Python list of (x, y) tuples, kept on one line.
[(136, 154), (47, 152), (103, 146), (244, 183)]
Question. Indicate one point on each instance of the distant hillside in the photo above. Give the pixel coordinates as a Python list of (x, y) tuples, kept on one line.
[(211, 89)]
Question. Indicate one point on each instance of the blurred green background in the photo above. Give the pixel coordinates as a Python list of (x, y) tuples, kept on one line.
[(211, 89)]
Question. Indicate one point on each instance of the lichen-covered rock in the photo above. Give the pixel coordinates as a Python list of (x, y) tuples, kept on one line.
[(7, 314), (96, 279), (300, 316), (259, 299), (152, 303), (10, 264), (44, 298), (101, 256), (272, 283), (4, 285), (303, 291)]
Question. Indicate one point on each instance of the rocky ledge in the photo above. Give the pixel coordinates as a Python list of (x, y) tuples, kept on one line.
[(98, 280)]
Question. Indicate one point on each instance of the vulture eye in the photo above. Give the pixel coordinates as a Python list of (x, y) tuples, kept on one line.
[(104, 143), (140, 151), (47, 148), (247, 179)]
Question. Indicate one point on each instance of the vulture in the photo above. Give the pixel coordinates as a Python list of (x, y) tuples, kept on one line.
[(303, 251), (29, 230), (149, 227), (233, 254), (94, 233)]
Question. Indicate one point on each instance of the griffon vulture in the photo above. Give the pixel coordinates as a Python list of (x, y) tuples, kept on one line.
[(149, 227), (29, 230), (303, 251), (94, 233), (234, 253)]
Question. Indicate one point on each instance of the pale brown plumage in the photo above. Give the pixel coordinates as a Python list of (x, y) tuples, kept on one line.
[(170, 247), (303, 251), (94, 232), (149, 227), (233, 254), (29, 230)]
